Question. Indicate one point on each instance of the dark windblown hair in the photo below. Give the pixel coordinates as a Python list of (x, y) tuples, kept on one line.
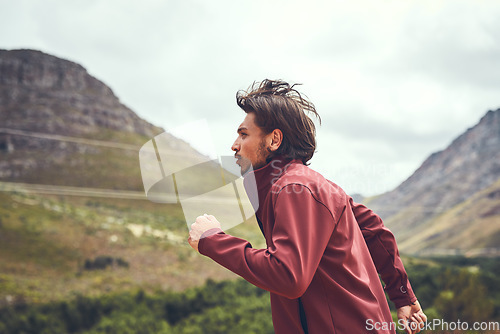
[(278, 105)]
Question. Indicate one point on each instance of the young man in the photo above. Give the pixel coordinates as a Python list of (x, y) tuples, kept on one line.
[(323, 250)]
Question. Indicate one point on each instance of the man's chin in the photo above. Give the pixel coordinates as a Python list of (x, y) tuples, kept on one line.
[(245, 167), (244, 170)]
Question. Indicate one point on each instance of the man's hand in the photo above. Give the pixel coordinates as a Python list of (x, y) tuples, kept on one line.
[(412, 317), (200, 226)]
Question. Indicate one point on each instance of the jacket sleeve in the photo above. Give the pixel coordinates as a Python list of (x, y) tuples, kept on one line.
[(302, 229), (385, 255)]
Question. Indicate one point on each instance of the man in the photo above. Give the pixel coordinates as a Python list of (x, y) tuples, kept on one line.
[(323, 250)]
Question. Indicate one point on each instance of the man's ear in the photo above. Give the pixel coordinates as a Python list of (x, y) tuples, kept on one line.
[(276, 137)]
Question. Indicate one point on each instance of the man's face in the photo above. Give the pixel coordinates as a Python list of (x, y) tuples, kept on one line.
[(250, 145)]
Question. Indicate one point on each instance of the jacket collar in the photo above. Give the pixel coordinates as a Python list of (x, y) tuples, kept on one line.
[(258, 182)]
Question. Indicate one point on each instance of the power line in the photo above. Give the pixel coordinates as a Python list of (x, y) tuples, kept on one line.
[(78, 140), (85, 141), (70, 191), (99, 192)]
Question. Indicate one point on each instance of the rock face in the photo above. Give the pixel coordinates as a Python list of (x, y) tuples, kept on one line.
[(40, 92), (446, 179), (50, 111)]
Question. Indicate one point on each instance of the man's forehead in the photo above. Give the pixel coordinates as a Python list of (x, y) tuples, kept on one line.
[(248, 123)]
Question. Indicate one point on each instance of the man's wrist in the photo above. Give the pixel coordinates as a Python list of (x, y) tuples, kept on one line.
[(210, 232), (408, 302), (205, 236)]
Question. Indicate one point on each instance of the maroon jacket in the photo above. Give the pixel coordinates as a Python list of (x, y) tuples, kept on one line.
[(318, 263)]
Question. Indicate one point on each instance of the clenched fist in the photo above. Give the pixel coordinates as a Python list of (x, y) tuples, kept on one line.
[(200, 226), (413, 317)]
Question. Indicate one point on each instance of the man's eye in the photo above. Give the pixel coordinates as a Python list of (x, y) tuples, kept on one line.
[(243, 134)]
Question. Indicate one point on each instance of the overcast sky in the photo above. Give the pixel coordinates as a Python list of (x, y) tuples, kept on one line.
[(393, 81)]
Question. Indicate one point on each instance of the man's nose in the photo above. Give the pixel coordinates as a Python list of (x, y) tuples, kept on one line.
[(236, 146)]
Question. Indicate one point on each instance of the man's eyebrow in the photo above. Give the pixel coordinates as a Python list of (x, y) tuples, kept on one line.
[(241, 128)]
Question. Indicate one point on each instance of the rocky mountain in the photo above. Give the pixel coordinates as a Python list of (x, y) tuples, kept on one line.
[(453, 199), (61, 126), (71, 190), (43, 93)]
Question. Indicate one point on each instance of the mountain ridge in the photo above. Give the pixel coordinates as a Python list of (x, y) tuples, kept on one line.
[(60, 125), (31, 78), (446, 179)]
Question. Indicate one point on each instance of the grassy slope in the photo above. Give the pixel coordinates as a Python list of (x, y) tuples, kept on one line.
[(44, 241), (468, 228)]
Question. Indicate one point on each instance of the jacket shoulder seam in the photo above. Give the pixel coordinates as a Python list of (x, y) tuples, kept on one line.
[(310, 191)]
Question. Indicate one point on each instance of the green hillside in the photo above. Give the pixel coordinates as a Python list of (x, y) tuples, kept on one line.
[(49, 243), (448, 288)]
